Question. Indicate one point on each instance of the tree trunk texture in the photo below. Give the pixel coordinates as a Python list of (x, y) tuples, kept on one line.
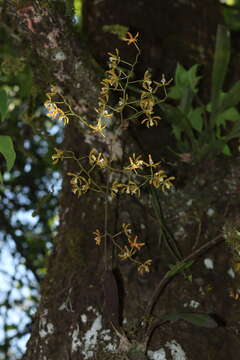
[(84, 301), (170, 31)]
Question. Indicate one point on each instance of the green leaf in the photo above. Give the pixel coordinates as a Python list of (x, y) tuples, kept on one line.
[(181, 77), (185, 80), (216, 145), (209, 105), (10, 327), (193, 78), (3, 104), (226, 151), (77, 8), (175, 92), (234, 132), (232, 16), (198, 319), (7, 150), (177, 132), (181, 83), (231, 98), (196, 120), (116, 29), (179, 267), (229, 115), (186, 101), (171, 317), (179, 123), (175, 116), (26, 83), (220, 65)]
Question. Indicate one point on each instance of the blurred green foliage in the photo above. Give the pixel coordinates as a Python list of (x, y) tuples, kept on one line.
[(116, 29), (7, 150), (204, 130), (231, 13)]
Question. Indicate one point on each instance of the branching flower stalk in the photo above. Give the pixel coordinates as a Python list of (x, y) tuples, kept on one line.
[(113, 114)]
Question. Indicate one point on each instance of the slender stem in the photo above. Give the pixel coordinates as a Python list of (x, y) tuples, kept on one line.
[(106, 222), (168, 236)]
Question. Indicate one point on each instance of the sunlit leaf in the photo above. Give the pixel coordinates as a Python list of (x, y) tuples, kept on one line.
[(116, 29), (3, 104), (10, 327), (7, 150)]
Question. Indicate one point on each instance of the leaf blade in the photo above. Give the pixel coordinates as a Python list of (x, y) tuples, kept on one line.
[(7, 150), (198, 319), (220, 66), (3, 104), (232, 98)]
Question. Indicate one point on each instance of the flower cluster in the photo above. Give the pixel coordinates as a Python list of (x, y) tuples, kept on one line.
[(159, 179), (111, 79), (127, 251), (131, 188), (103, 114), (135, 163), (136, 178), (96, 158), (59, 155), (148, 99), (130, 39), (98, 237), (145, 267), (129, 179), (118, 78), (138, 163), (99, 127), (80, 185), (53, 111)]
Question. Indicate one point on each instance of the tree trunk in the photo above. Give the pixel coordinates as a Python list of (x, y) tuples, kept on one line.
[(170, 31), (85, 301)]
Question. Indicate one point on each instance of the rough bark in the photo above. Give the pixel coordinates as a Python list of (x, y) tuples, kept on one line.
[(170, 31)]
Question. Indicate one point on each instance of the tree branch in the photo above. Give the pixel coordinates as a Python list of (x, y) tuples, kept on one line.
[(169, 276)]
